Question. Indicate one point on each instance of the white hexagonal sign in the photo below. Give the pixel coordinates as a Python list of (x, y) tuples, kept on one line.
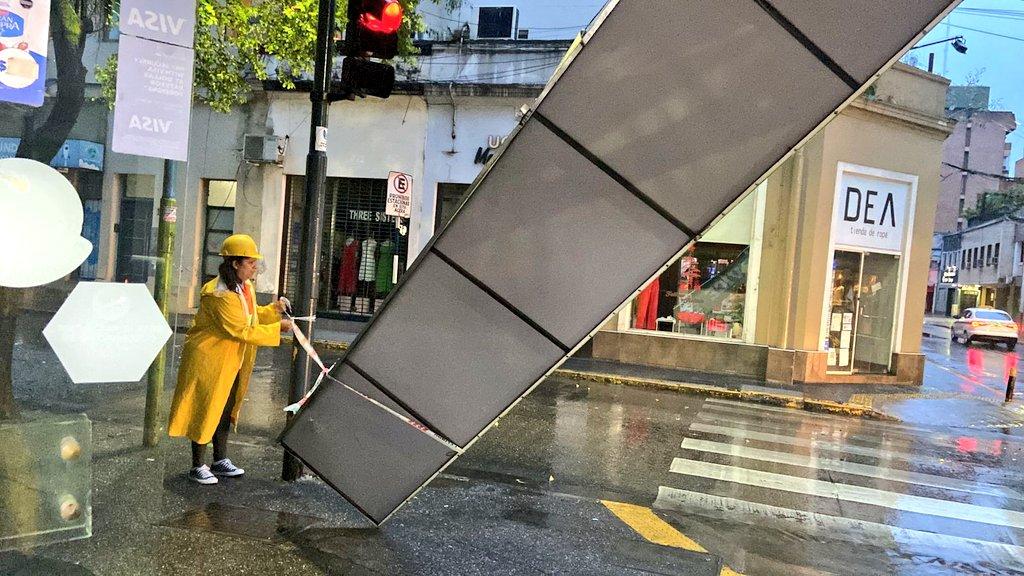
[(107, 332)]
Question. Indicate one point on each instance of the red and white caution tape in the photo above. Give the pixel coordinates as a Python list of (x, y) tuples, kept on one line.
[(325, 373)]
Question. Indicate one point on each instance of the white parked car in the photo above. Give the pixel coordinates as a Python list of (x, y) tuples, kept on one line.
[(985, 325)]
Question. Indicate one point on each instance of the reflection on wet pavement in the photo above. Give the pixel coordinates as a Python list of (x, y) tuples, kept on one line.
[(244, 522)]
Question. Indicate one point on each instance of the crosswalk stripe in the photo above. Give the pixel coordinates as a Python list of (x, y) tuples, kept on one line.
[(892, 445), (859, 429), (785, 427), (848, 468), (849, 493), (1006, 556), (744, 434)]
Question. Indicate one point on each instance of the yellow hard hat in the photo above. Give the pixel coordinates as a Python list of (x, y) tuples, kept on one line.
[(240, 245)]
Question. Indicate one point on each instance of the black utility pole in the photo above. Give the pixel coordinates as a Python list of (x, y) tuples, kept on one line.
[(313, 215)]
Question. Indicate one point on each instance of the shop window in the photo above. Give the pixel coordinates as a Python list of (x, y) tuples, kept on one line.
[(135, 228), (220, 222), (449, 197), (704, 293), (363, 251)]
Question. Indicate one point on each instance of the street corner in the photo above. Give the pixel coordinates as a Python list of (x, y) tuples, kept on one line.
[(953, 410)]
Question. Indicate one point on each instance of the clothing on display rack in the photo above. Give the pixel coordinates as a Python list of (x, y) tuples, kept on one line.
[(349, 270), (647, 307), (368, 262), (385, 267)]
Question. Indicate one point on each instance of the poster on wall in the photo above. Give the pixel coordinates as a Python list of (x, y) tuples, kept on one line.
[(871, 212), (24, 39), (155, 62)]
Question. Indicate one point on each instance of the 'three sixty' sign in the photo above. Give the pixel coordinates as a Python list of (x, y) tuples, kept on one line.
[(870, 211), (153, 106)]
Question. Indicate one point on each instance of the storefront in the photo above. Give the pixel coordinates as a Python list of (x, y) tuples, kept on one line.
[(819, 274), (711, 291), (872, 214), (364, 251)]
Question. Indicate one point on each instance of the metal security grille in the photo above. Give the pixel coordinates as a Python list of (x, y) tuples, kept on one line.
[(364, 252)]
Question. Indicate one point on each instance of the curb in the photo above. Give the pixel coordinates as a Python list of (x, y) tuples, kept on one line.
[(772, 399), (851, 409)]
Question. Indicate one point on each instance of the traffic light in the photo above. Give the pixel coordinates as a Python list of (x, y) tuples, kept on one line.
[(372, 30), (365, 78)]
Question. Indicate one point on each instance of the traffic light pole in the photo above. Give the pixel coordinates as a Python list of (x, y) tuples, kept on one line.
[(313, 216)]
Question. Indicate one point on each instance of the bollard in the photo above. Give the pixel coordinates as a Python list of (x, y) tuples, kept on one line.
[(1010, 380)]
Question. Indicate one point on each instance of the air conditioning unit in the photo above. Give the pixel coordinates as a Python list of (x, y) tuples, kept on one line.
[(497, 23), (263, 149)]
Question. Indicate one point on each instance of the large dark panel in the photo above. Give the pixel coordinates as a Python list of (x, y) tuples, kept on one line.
[(369, 455), (578, 245), (692, 102), (451, 353), (352, 378), (860, 36)]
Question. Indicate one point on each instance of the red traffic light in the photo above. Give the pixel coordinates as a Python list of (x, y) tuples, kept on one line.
[(389, 20)]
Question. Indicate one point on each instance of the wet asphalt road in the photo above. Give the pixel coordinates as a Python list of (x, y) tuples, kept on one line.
[(765, 490), (978, 370), (772, 490)]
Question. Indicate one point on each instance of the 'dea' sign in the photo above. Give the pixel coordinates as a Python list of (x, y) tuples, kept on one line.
[(871, 212)]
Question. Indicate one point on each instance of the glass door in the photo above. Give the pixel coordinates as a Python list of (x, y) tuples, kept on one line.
[(863, 312), (846, 272), (876, 313)]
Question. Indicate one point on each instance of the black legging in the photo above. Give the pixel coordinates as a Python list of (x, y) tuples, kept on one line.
[(220, 436)]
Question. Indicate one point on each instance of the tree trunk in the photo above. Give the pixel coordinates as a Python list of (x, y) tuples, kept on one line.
[(10, 299), (42, 143)]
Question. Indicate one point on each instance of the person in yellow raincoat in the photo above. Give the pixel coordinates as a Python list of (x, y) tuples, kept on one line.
[(219, 354)]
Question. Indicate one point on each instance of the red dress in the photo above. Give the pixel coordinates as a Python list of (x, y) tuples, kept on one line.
[(348, 272), (647, 307)]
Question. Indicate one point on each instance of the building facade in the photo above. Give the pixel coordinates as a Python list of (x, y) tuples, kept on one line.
[(820, 274), (982, 267), (973, 157), (764, 293)]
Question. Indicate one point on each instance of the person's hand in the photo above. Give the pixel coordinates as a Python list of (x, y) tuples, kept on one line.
[(283, 304), (286, 325)]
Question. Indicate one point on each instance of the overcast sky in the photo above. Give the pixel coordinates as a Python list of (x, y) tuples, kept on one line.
[(995, 49)]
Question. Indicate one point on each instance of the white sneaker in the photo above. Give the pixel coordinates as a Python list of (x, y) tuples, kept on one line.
[(202, 475), (226, 468)]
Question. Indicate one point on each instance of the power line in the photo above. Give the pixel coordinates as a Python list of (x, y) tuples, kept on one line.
[(972, 172), (474, 25), (552, 58), (1017, 38)]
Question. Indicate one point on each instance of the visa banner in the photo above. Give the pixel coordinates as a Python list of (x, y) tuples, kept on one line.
[(24, 37)]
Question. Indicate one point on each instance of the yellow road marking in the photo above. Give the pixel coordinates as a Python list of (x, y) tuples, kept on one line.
[(647, 524)]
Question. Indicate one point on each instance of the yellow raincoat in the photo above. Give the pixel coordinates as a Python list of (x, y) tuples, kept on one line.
[(220, 346)]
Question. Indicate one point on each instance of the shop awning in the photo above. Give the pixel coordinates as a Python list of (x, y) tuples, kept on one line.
[(664, 115)]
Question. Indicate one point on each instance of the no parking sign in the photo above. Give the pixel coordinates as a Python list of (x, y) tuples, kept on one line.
[(399, 202)]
